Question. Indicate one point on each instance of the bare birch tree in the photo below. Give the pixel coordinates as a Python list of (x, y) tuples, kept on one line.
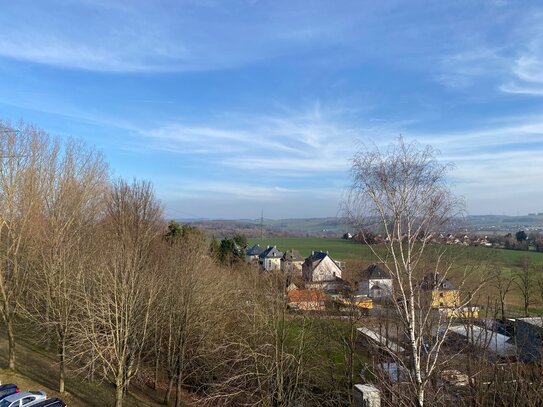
[(403, 193)]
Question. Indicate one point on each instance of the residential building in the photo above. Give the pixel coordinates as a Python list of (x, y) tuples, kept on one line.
[(320, 267), (270, 259), (292, 261), (441, 293), (252, 253), (374, 282)]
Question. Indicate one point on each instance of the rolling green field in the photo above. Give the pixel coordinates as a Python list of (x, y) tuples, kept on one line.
[(341, 249)]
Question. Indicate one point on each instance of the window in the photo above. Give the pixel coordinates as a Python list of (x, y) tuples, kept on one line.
[(27, 400)]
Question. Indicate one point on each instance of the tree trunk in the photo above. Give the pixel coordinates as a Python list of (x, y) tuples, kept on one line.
[(62, 357), (11, 344), (169, 391), (179, 384), (119, 394), (157, 367), (420, 397)]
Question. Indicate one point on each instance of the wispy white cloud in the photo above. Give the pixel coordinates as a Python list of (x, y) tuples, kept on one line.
[(515, 88), (165, 35), (244, 191), (514, 62), (527, 69), (290, 143), (497, 166), (462, 69)]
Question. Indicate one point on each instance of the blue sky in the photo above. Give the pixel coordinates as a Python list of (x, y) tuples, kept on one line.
[(230, 107)]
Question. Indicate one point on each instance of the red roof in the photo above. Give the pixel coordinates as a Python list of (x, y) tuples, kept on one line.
[(306, 296)]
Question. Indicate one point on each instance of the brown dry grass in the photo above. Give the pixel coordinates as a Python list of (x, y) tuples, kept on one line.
[(37, 370)]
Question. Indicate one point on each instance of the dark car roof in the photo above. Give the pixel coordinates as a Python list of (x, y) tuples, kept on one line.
[(55, 402), (7, 390)]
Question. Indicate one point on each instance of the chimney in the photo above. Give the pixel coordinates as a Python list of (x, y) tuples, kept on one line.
[(366, 395)]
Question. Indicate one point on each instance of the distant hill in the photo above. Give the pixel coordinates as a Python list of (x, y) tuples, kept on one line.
[(505, 224), (336, 227), (315, 227)]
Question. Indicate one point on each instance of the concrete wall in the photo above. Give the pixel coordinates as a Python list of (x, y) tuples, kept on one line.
[(366, 395)]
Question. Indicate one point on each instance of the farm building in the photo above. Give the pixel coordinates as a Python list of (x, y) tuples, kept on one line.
[(306, 300)]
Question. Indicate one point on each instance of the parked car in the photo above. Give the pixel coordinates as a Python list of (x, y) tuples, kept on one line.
[(23, 398), (50, 403), (8, 389)]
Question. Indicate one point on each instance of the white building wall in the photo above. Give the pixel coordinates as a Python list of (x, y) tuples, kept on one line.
[(364, 286), (273, 264), (326, 270)]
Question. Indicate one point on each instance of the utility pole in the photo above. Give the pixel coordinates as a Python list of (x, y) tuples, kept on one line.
[(262, 224)]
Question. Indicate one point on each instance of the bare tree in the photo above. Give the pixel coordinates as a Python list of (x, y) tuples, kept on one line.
[(74, 184), (403, 193), (524, 279), (120, 291), (188, 297), (21, 159), (264, 359), (502, 282)]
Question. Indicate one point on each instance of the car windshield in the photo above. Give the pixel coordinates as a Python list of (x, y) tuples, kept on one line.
[(4, 403)]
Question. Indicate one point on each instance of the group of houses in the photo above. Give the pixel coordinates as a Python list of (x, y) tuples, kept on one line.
[(313, 280), (317, 278), (442, 238)]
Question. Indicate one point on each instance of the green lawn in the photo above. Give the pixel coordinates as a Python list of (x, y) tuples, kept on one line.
[(341, 249)]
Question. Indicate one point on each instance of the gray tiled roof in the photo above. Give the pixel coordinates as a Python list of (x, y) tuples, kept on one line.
[(254, 251), (292, 255), (374, 272), (271, 253), (436, 282)]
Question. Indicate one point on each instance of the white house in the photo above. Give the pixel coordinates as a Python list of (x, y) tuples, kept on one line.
[(320, 267), (252, 253), (375, 283), (270, 259)]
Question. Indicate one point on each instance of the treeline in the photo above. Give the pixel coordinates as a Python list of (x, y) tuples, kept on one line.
[(519, 241), (91, 270)]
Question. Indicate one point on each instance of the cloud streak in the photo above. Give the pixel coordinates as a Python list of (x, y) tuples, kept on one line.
[(191, 36)]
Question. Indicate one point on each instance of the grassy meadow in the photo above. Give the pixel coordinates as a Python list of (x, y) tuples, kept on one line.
[(345, 250), (339, 249)]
